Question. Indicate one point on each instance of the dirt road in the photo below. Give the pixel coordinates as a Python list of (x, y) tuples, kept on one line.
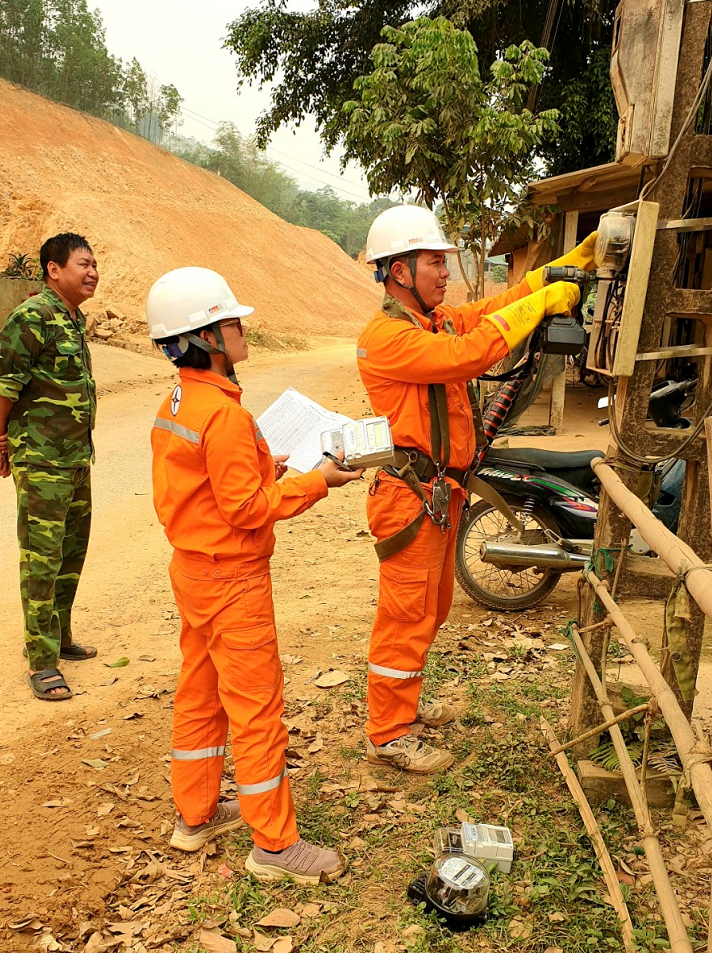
[(126, 609)]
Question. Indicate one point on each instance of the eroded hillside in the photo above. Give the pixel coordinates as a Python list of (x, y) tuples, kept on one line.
[(145, 212)]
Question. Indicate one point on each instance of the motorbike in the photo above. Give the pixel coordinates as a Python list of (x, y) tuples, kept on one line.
[(554, 496)]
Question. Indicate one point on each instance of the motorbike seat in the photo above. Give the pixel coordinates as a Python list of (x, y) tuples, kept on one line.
[(553, 461), (573, 466)]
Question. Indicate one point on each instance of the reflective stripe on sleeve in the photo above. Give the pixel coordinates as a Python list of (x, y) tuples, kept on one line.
[(396, 674), (247, 789), (258, 432), (180, 431), (203, 754)]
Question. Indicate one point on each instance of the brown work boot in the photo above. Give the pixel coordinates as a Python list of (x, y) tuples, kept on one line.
[(302, 862), (226, 817), (435, 713), (410, 754)]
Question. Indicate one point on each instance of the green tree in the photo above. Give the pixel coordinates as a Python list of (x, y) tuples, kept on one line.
[(136, 92), (169, 109), (311, 58), (425, 120)]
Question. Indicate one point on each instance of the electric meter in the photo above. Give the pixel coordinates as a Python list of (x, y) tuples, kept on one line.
[(458, 884), (486, 842), (364, 443), (614, 241)]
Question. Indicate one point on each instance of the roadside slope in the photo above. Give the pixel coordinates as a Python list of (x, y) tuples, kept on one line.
[(146, 212)]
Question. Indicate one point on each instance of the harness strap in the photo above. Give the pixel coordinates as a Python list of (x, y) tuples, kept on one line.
[(486, 491), (403, 538)]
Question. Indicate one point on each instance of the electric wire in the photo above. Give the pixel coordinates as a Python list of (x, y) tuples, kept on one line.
[(650, 461), (692, 113), (213, 125)]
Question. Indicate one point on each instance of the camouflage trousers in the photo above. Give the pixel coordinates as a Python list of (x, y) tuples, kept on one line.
[(53, 521)]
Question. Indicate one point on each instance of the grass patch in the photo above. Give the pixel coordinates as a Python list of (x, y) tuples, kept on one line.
[(554, 896)]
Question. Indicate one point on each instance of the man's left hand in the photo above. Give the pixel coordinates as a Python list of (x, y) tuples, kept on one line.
[(4, 458), (280, 465)]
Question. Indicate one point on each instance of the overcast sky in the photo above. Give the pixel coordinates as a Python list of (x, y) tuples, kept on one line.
[(180, 42)]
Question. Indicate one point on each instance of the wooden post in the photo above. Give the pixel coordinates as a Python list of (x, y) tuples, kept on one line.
[(558, 383), (665, 300)]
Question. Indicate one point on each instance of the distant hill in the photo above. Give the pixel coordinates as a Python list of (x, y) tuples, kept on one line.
[(145, 212)]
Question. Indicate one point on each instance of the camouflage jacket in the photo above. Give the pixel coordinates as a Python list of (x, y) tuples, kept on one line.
[(45, 369)]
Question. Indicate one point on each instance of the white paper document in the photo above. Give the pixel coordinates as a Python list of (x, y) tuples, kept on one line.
[(294, 424)]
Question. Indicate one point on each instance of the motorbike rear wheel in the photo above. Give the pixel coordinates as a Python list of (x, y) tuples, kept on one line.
[(494, 587)]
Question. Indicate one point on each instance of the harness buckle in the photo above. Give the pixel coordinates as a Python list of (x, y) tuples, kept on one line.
[(442, 492)]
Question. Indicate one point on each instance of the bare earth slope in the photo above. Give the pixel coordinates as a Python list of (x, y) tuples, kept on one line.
[(146, 212)]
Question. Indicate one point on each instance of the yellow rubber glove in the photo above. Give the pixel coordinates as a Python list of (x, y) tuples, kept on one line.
[(581, 256), (517, 320)]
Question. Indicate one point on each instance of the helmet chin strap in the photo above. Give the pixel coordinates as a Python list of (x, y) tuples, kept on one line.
[(412, 289), (209, 348)]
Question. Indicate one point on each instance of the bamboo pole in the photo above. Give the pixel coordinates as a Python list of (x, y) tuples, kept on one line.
[(599, 845), (669, 907), (601, 728), (679, 557), (694, 753)]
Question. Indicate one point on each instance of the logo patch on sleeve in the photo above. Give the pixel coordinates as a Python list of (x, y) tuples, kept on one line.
[(176, 398)]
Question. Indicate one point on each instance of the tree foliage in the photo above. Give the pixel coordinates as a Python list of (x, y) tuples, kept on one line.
[(58, 48), (426, 120), (311, 59)]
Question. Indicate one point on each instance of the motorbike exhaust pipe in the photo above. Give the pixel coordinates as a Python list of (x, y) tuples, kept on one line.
[(530, 555)]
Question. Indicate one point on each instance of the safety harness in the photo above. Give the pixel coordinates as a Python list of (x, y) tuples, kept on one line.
[(414, 467)]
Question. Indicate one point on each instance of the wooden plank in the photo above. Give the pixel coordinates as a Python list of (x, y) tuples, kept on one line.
[(667, 353), (641, 257)]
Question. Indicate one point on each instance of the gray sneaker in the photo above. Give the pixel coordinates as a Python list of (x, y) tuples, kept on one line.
[(302, 862), (435, 713), (226, 817), (410, 754)]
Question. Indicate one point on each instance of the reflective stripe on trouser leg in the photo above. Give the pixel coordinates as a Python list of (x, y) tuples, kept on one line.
[(243, 648), (415, 587)]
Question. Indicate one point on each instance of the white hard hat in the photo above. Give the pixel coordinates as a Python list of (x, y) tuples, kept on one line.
[(404, 228), (188, 299)]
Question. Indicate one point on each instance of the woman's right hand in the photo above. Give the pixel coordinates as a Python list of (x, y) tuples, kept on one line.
[(337, 476)]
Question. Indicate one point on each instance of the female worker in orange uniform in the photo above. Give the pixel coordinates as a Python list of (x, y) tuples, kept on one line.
[(217, 496)]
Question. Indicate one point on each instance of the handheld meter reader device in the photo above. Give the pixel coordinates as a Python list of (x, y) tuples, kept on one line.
[(364, 443)]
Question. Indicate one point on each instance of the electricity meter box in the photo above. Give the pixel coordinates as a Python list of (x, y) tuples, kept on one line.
[(364, 443), (491, 844), (624, 253), (644, 60)]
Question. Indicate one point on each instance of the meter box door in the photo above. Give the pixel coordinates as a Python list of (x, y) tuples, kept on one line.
[(618, 315), (644, 58)]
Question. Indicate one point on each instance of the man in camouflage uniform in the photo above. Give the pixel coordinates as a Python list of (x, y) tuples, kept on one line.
[(47, 411)]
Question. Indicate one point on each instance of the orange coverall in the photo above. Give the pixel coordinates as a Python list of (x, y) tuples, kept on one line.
[(397, 360), (215, 494)]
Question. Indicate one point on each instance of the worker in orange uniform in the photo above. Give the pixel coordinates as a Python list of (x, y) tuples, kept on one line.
[(217, 496), (415, 358)]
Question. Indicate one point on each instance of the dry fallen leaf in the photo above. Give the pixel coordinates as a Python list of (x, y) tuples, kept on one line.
[(280, 917), (215, 943), (105, 809), (332, 679), (556, 918), (310, 909), (283, 945), (263, 944), (96, 764), (30, 920), (316, 746)]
